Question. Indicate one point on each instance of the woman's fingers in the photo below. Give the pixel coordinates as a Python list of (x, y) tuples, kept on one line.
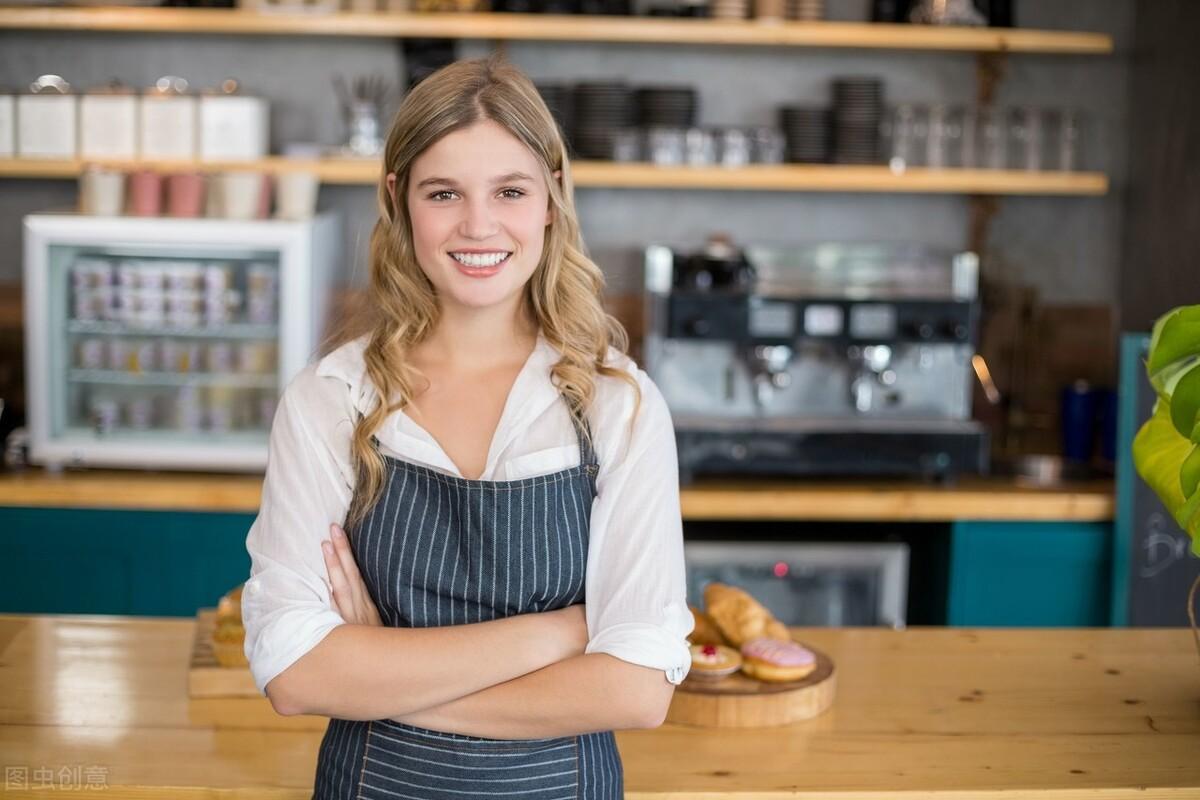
[(354, 581), (356, 600), (337, 580)]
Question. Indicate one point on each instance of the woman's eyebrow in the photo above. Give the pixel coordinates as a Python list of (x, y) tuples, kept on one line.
[(511, 177)]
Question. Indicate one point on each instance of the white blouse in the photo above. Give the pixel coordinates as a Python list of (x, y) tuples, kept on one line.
[(636, 608)]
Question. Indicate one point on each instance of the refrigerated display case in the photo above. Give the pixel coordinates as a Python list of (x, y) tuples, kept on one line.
[(155, 342)]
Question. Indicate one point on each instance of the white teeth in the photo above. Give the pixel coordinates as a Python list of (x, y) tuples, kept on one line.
[(480, 259)]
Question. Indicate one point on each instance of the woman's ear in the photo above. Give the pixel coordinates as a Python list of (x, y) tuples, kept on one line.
[(391, 187)]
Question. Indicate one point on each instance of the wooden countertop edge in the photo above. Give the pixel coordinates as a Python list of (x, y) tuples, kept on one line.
[(973, 499), (141, 792), (1103, 793), (979, 500)]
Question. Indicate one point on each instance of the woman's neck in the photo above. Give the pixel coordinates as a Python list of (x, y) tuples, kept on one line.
[(474, 338)]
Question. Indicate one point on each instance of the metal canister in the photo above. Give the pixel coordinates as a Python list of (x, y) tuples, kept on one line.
[(219, 409), (140, 412), (47, 119), (105, 413), (91, 353), (256, 357), (169, 121), (220, 357), (108, 122)]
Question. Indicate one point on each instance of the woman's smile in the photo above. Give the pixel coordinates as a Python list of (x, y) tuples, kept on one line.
[(480, 264)]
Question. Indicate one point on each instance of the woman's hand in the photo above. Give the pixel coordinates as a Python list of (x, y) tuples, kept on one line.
[(350, 595), (574, 630)]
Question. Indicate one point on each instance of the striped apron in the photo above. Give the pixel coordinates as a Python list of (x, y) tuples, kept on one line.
[(440, 550)]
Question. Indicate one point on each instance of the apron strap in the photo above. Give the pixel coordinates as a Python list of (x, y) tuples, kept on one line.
[(587, 453)]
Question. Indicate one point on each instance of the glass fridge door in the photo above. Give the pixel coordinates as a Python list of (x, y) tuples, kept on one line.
[(808, 585), (153, 343)]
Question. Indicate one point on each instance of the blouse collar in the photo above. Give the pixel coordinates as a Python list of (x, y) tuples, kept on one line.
[(531, 394)]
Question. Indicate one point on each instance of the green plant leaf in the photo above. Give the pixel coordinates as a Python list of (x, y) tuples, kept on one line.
[(1166, 450), (1189, 474), (1185, 401), (1158, 453), (1191, 513), (1174, 353), (1176, 337)]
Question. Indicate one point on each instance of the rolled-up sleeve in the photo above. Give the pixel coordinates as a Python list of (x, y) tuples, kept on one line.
[(286, 606), (636, 579)]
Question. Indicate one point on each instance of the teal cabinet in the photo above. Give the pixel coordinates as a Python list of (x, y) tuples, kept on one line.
[(170, 563), (149, 563), (1029, 574)]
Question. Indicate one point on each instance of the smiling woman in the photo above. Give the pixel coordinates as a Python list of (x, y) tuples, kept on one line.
[(444, 492), (475, 224)]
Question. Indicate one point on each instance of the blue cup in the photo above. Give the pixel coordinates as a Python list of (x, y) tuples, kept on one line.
[(1078, 421), (1107, 403)]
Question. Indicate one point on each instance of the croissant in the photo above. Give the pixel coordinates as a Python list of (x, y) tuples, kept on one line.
[(229, 636), (739, 616), (704, 632), (229, 607)]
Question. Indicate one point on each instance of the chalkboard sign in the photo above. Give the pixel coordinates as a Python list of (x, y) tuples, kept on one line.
[(1153, 565)]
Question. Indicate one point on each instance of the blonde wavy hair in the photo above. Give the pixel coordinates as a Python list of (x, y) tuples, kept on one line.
[(563, 295)]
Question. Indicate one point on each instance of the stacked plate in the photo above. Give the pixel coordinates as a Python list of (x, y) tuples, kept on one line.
[(516, 6), (666, 106), (609, 7), (806, 132), (557, 7), (601, 109), (857, 116), (806, 10), (729, 9), (560, 99)]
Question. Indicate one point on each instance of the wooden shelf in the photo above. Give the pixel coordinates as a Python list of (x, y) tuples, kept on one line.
[(801, 499), (330, 170), (547, 27), (838, 178), (757, 177)]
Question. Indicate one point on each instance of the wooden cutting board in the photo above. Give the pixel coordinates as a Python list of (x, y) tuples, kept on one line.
[(206, 677), (739, 701)]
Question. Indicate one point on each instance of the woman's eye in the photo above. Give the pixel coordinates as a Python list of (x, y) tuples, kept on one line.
[(447, 194)]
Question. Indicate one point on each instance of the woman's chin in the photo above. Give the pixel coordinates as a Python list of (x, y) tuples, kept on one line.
[(480, 300)]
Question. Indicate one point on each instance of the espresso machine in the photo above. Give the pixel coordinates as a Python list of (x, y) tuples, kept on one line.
[(831, 359)]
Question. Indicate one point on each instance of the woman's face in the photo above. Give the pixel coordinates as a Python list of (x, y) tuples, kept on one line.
[(479, 208)]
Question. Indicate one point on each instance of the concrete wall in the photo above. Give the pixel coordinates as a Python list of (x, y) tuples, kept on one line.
[(1068, 247), (1162, 240)]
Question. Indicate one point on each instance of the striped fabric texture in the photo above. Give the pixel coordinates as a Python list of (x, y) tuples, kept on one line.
[(440, 550)]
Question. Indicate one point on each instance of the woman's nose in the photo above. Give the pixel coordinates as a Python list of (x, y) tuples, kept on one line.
[(478, 221)]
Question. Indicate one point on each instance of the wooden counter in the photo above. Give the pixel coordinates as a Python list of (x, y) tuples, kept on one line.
[(946, 713), (974, 498)]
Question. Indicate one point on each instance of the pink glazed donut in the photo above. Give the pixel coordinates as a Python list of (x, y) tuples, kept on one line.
[(772, 660)]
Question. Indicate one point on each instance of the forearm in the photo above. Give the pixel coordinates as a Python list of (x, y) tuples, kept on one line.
[(362, 672), (582, 694)]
